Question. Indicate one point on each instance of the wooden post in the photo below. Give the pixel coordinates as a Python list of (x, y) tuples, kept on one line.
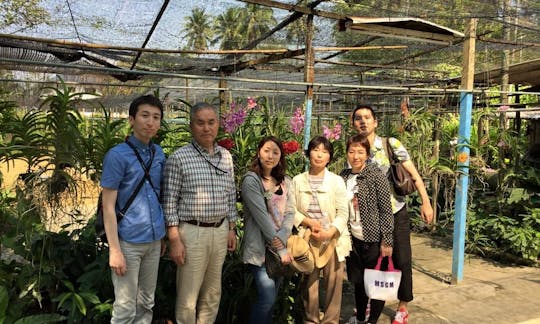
[(480, 133), (505, 54), (309, 76), (463, 156), (505, 80), (435, 175), (517, 128), (222, 94), (187, 90)]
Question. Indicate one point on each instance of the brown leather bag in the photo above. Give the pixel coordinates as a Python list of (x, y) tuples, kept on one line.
[(399, 177)]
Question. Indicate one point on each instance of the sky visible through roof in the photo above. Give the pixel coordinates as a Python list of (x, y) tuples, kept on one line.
[(128, 22), (125, 22)]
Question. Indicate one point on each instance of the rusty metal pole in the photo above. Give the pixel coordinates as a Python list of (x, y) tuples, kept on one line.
[(309, 77)]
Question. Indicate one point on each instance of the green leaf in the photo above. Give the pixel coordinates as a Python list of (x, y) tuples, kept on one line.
[(41, 319), (4, 301), (80, 303), (90, 297), (62, 298), (69, 285), (517, 195), (27, 290)]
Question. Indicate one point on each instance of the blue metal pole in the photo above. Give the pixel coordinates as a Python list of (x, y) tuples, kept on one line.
[(460, 216), (307, 128), (307, 124)]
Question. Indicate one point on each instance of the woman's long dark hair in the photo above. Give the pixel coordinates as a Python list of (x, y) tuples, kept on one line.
[(278, 172)]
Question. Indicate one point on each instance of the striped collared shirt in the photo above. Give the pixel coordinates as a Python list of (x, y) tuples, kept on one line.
[(199, 186)]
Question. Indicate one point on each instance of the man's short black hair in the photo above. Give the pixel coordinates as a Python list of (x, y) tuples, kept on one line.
[(363, 106), (145, 100)]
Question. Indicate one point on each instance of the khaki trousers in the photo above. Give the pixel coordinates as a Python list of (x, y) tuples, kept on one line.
[(198, 281), (332, 280)]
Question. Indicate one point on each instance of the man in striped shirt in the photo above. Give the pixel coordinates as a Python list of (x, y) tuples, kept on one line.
[(199, 201)]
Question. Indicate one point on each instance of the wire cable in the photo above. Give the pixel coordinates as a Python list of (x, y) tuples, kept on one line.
[(74, 24)]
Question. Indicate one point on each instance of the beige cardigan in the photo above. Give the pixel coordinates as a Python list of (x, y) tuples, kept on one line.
[(332, 197)]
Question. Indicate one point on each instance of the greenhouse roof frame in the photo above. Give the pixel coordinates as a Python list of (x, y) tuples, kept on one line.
[(20, 52), (402, 27)]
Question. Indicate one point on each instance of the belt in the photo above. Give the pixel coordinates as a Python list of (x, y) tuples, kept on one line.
[(203, 224)]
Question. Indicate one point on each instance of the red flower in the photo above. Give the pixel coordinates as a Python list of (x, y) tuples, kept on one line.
[(227, 143), (290, 147)]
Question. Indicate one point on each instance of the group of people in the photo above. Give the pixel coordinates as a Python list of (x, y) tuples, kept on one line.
[(190, 197)]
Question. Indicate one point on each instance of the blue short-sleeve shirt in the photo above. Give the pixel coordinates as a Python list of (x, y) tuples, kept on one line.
[(143, 222)]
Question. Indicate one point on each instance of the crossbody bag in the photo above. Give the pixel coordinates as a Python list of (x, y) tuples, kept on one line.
[(99, 225)]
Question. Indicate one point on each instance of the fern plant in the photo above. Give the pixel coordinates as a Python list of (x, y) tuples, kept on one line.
[(105, 132), (62, 135)]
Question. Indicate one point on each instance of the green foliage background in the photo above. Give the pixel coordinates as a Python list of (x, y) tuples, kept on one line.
[(61, 275), (48, 276)]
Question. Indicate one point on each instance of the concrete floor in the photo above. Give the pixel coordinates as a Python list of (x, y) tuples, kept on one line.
[(489, 293)]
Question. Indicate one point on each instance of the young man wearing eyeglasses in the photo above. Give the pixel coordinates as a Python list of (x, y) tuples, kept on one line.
[(199, 200), (365, 123)]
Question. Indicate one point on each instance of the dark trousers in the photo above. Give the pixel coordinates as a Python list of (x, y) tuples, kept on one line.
[(402, 255), (364, 256)]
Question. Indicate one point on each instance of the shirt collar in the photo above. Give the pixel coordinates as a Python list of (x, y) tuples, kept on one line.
[(202, 149), (138, 144), (378, 141)]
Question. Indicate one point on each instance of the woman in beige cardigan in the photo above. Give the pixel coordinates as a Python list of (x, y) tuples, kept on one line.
[(321, 212)]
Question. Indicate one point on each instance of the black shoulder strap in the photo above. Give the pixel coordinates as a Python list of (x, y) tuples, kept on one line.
[(145, 167), (132, 197), (268, 207)]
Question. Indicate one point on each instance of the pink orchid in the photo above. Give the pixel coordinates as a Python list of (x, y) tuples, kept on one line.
[(234, 118), (326, 132), (251, 103), (332, 133), (297, 121)]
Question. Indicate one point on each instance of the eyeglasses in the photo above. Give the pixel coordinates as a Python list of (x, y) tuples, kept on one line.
[(217, 169)]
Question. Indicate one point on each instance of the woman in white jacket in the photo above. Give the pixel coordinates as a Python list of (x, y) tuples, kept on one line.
[(321, 212)]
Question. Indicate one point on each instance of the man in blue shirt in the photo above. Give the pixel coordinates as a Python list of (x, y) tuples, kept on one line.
[(135, 241)]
